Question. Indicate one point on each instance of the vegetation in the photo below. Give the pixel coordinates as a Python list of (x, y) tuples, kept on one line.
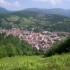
[(12, 46), (57, 62), (59, 48), (34, 20)]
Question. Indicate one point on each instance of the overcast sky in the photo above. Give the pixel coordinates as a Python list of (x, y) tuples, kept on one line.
[(22, 4)]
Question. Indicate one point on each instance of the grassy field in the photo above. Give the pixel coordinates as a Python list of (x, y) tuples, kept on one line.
[(57, 62)]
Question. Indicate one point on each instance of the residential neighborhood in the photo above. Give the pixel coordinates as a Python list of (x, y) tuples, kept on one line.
[(39, 40)]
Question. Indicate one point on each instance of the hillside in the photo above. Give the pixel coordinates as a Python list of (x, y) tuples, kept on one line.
[(28, 19), (3, 11), (55, 11), (57, 62)]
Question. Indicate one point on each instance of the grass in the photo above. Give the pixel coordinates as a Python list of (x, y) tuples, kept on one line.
[(57, 62)]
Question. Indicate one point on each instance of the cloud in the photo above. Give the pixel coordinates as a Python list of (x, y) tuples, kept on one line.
[(16, 3), (53, 2), (41, 0), (4, 3)]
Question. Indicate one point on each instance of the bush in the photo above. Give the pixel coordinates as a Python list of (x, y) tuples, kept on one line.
[(59, 48), (11, 46)]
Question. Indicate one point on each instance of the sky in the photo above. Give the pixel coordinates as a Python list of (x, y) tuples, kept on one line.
[(23, 4)]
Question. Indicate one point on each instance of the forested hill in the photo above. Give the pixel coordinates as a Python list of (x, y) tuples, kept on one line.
[(4, 11), (36, 19)]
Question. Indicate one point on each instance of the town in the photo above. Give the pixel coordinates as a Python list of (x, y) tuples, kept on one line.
[(39, 40)]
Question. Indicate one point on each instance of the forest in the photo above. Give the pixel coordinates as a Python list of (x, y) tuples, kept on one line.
[(34, 20)]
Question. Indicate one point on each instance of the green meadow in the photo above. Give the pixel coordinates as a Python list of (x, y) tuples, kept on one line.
[(56, 62)]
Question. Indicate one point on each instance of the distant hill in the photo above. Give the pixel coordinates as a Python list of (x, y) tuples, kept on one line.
[(57, 11), (4, 11), (37, 19)]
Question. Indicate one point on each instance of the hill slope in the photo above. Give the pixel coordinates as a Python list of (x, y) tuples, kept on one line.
[(3, 11), (56, 62), (55, 11), (35, 19)]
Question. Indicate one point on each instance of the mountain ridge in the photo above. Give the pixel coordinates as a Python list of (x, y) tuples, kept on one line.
[(36, 19), (55, 11)]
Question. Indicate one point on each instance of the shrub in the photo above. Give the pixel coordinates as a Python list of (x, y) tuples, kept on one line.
[(59, 48), (11, 46)]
